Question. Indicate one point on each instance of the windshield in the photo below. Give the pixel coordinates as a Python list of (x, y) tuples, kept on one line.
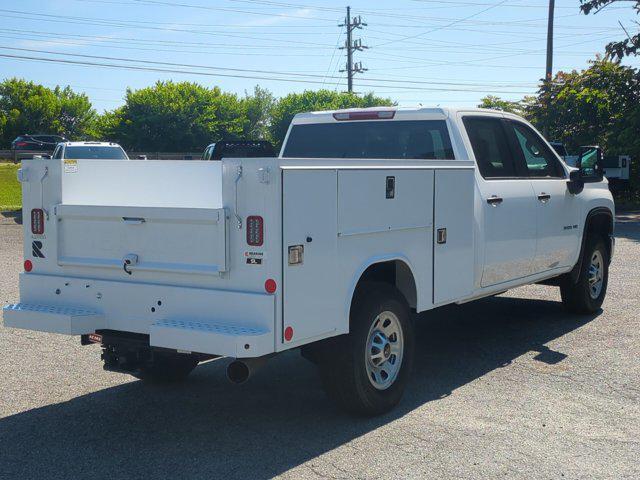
[(96, 152), (407, 139)]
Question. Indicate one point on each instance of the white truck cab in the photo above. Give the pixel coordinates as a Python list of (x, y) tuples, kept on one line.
[(366, 216)]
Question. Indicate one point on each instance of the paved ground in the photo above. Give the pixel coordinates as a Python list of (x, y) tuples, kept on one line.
[(509, 387)]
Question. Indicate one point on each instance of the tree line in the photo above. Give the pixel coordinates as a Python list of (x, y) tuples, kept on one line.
[(168, 116)]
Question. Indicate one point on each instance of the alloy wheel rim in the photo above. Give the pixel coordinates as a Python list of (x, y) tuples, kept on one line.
[(595, 274), (385, 349)]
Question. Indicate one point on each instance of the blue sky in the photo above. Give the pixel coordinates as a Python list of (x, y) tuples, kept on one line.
[(434, 52)]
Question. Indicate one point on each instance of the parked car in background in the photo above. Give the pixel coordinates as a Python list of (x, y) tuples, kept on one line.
[(90, 150), (38, 143), (559, 148), (238, 149), (25, 146)]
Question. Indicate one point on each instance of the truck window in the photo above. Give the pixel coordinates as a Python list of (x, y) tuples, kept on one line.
[(58, 152), (490, 147), (97, 152), (539, 159), (399, 139)]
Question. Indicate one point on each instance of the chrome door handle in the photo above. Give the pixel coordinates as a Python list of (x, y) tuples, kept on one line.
[(494, 200), (544, 197)]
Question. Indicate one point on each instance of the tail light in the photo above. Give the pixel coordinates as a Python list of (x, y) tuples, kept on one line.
[(255, 231), (37, 221), (28, 266), (21, 144)]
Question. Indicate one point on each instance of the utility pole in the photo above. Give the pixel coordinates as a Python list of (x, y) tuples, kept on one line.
[(548, 77), (351, 46)]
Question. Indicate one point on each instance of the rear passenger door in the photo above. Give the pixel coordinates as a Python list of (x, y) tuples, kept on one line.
[(508, 206), (556, 209)]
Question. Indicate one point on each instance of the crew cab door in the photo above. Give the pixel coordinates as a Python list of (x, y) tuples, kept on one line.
[(556, 209), (507, 209)]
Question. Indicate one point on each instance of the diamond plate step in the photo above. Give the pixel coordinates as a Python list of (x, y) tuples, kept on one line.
[(213, 338), (68, 320)]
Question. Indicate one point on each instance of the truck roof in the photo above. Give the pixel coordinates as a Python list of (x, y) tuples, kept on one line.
[(90, 144), (400, 113)]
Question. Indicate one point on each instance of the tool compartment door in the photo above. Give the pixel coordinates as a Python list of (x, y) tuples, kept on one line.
[(311, 307), (453, 242), (178, 240)]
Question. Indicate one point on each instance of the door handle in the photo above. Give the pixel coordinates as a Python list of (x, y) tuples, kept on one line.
[(544, 197), (133, 220), (494, 200)]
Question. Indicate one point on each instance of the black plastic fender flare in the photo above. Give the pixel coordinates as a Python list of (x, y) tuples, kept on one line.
[(577, 268)]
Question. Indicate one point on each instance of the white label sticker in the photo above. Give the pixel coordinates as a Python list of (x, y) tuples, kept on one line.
[(70, 166)]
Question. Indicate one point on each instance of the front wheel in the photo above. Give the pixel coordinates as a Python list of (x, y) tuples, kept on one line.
[(366, 371), (587, 294)]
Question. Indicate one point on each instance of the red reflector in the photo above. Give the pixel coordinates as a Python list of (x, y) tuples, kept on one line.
[(270, 285), (288, 334), (255, 231), (28, 266), (365, 115), (95, 338), (37, 221)]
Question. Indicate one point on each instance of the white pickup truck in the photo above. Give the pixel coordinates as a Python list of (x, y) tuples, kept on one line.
[(365, 217)]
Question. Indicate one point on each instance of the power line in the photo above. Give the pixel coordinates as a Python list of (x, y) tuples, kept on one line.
[(207, 67), (212, 74), (409, 37)]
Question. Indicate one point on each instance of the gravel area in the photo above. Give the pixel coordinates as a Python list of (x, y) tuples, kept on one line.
[(507, 387)]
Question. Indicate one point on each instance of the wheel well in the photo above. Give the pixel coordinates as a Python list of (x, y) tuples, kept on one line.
[(599, 222), (393, 272)]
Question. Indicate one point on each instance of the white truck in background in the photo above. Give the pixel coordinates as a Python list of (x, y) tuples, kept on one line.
[(366, 216), (616, 168)]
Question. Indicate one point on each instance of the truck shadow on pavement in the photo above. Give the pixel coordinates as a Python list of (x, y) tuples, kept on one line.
[(208, 428)]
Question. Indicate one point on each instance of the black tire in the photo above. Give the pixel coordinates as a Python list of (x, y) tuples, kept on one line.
[(343, 364), (167, 368), (577, 297)]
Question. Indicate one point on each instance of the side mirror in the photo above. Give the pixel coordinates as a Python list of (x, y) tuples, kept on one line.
[(575, 185), (590, 164)]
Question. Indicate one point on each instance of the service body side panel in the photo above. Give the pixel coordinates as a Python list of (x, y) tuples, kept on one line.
[(311, 299), (453, 272), (373, 228)]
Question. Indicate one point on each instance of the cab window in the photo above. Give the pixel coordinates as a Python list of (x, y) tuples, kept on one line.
[(490, 146), (538, 158), (58, 152), (397, 139)]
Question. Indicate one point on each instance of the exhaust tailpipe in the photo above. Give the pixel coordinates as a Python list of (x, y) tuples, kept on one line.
[(239, 371)]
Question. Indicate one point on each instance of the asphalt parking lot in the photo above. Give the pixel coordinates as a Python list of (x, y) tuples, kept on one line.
[(507, 387)]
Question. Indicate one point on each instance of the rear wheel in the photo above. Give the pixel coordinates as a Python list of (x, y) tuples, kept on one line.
[(587, 294), (366, 371), (167, 368)]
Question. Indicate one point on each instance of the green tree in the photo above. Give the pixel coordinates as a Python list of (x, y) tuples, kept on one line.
[(599, 105), (258, 111), (493, 102), (26, 107), (287, 107), (175, 116), (629, 45)]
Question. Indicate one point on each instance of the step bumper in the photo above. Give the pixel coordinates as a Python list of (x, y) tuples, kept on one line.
[(212, 338), (51, 318)]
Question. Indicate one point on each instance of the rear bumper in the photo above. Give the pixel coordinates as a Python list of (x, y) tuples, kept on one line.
[(216, 322)]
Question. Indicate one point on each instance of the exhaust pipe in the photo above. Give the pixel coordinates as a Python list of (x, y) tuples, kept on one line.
[(239, 371)]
